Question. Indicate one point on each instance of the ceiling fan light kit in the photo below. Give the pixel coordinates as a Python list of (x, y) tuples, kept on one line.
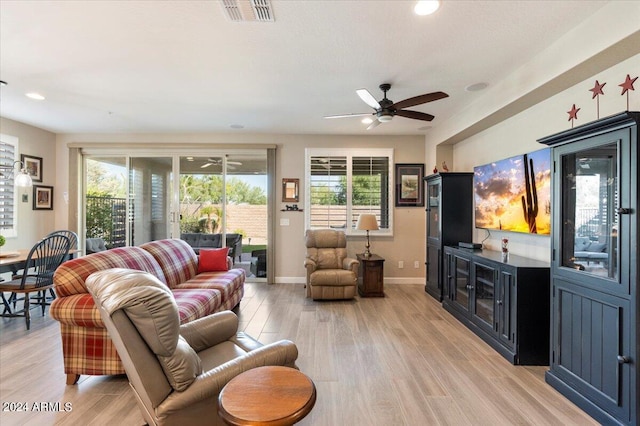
[(386, 109)]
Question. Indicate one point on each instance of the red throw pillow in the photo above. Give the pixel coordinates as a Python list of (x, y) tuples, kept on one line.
[(213, 260)]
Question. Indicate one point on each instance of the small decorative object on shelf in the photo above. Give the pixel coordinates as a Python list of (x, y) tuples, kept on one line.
[(505, 250), (444, 167), (435, 169), (293, 207)]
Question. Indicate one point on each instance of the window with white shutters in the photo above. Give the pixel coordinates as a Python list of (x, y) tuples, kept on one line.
[(8, 194), (342, 184)]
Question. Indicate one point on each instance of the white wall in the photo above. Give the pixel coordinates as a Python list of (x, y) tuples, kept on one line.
[(34, 224), (518, 135)]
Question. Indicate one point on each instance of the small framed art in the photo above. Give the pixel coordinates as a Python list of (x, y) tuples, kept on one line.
[(42, 197), (33, 166), (290, 190), (409, 187)]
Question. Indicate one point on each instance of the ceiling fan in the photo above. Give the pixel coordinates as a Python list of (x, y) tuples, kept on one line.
[(387, 109), (218, 161)]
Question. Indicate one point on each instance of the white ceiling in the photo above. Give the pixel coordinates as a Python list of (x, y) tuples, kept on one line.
[(183, 66)]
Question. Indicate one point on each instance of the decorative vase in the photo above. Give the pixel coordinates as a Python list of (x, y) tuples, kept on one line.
[(505, 250)]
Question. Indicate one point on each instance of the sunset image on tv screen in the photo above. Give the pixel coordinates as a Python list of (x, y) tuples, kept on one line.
[(511, 197)]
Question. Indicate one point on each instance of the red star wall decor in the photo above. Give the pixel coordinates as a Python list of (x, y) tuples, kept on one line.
[(597, 91), (573, 114), (626, 86)]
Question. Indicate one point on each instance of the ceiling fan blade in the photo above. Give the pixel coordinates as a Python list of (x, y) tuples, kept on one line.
[(368, 98), (211, 161), (205, 165), (422, 99), (415, 115), (357, 114), (373, 125)]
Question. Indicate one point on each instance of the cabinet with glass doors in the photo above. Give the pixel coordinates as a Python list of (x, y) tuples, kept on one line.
[(594, 268)]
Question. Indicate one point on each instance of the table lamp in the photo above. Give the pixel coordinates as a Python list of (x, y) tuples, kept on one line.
[(367, 222)]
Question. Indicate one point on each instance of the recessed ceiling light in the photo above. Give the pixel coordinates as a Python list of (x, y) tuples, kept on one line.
[(237, 126), (36, 96), (476, 87), (367, 120), (426, 7)]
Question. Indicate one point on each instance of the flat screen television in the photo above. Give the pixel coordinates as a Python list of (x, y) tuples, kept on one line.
[(514, 194)]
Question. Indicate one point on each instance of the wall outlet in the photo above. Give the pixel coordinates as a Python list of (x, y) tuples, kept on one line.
[(416, 264), (400, 264)]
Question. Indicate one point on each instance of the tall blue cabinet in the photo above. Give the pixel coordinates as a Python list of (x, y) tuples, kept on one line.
[(449, 218), (594, 267)]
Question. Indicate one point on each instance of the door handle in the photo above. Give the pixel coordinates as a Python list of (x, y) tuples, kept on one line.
[(623, 359), (623, 210)]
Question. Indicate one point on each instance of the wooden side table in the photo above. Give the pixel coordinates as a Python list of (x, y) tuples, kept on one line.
[(271, 395), (371, 276)]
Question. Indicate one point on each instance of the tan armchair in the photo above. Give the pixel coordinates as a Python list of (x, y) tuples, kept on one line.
[(330, 273), (176, 372)]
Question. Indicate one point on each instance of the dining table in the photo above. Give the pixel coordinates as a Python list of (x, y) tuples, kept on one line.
[(14, 260)]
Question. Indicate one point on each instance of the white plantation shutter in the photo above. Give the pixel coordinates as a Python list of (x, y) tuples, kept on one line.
[(8, 153), (157, 198), (370, 177), (328, 205)]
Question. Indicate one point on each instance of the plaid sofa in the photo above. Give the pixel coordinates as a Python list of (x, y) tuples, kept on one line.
[(86, 346)]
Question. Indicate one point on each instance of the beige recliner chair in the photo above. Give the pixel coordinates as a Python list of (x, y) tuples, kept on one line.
[(330, 273), (176, 371)]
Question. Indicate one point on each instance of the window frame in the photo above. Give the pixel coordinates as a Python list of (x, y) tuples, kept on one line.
[(350, 154)]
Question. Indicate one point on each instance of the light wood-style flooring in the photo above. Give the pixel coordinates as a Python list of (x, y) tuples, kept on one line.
[(398, 360)]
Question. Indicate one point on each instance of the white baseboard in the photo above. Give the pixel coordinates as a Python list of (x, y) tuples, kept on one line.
[(387, 280), (291, 280), (404, 280)]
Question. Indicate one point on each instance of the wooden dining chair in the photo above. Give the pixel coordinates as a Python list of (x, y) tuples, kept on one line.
[(72, 236), (73, 245), (42, 261)]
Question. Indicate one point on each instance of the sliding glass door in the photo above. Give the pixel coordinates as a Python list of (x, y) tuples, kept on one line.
[(223, 203), (219, 199), (149, 199), (105, 206)]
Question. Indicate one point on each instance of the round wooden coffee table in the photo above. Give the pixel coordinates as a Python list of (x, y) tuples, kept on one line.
[(270, 395)]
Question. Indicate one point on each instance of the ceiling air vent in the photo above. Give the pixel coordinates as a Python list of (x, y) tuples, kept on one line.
[(248, 10)]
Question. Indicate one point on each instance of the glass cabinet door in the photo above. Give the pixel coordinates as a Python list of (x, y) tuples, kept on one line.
[(484, 284), (590, 196), (462, 282), (433, 210)]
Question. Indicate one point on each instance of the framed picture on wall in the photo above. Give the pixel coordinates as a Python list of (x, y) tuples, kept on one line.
[(290, 190), (33, 166), (409, 187), (42, 197)]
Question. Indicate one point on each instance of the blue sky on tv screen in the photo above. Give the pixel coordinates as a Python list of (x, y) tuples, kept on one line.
[(499, 188)]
